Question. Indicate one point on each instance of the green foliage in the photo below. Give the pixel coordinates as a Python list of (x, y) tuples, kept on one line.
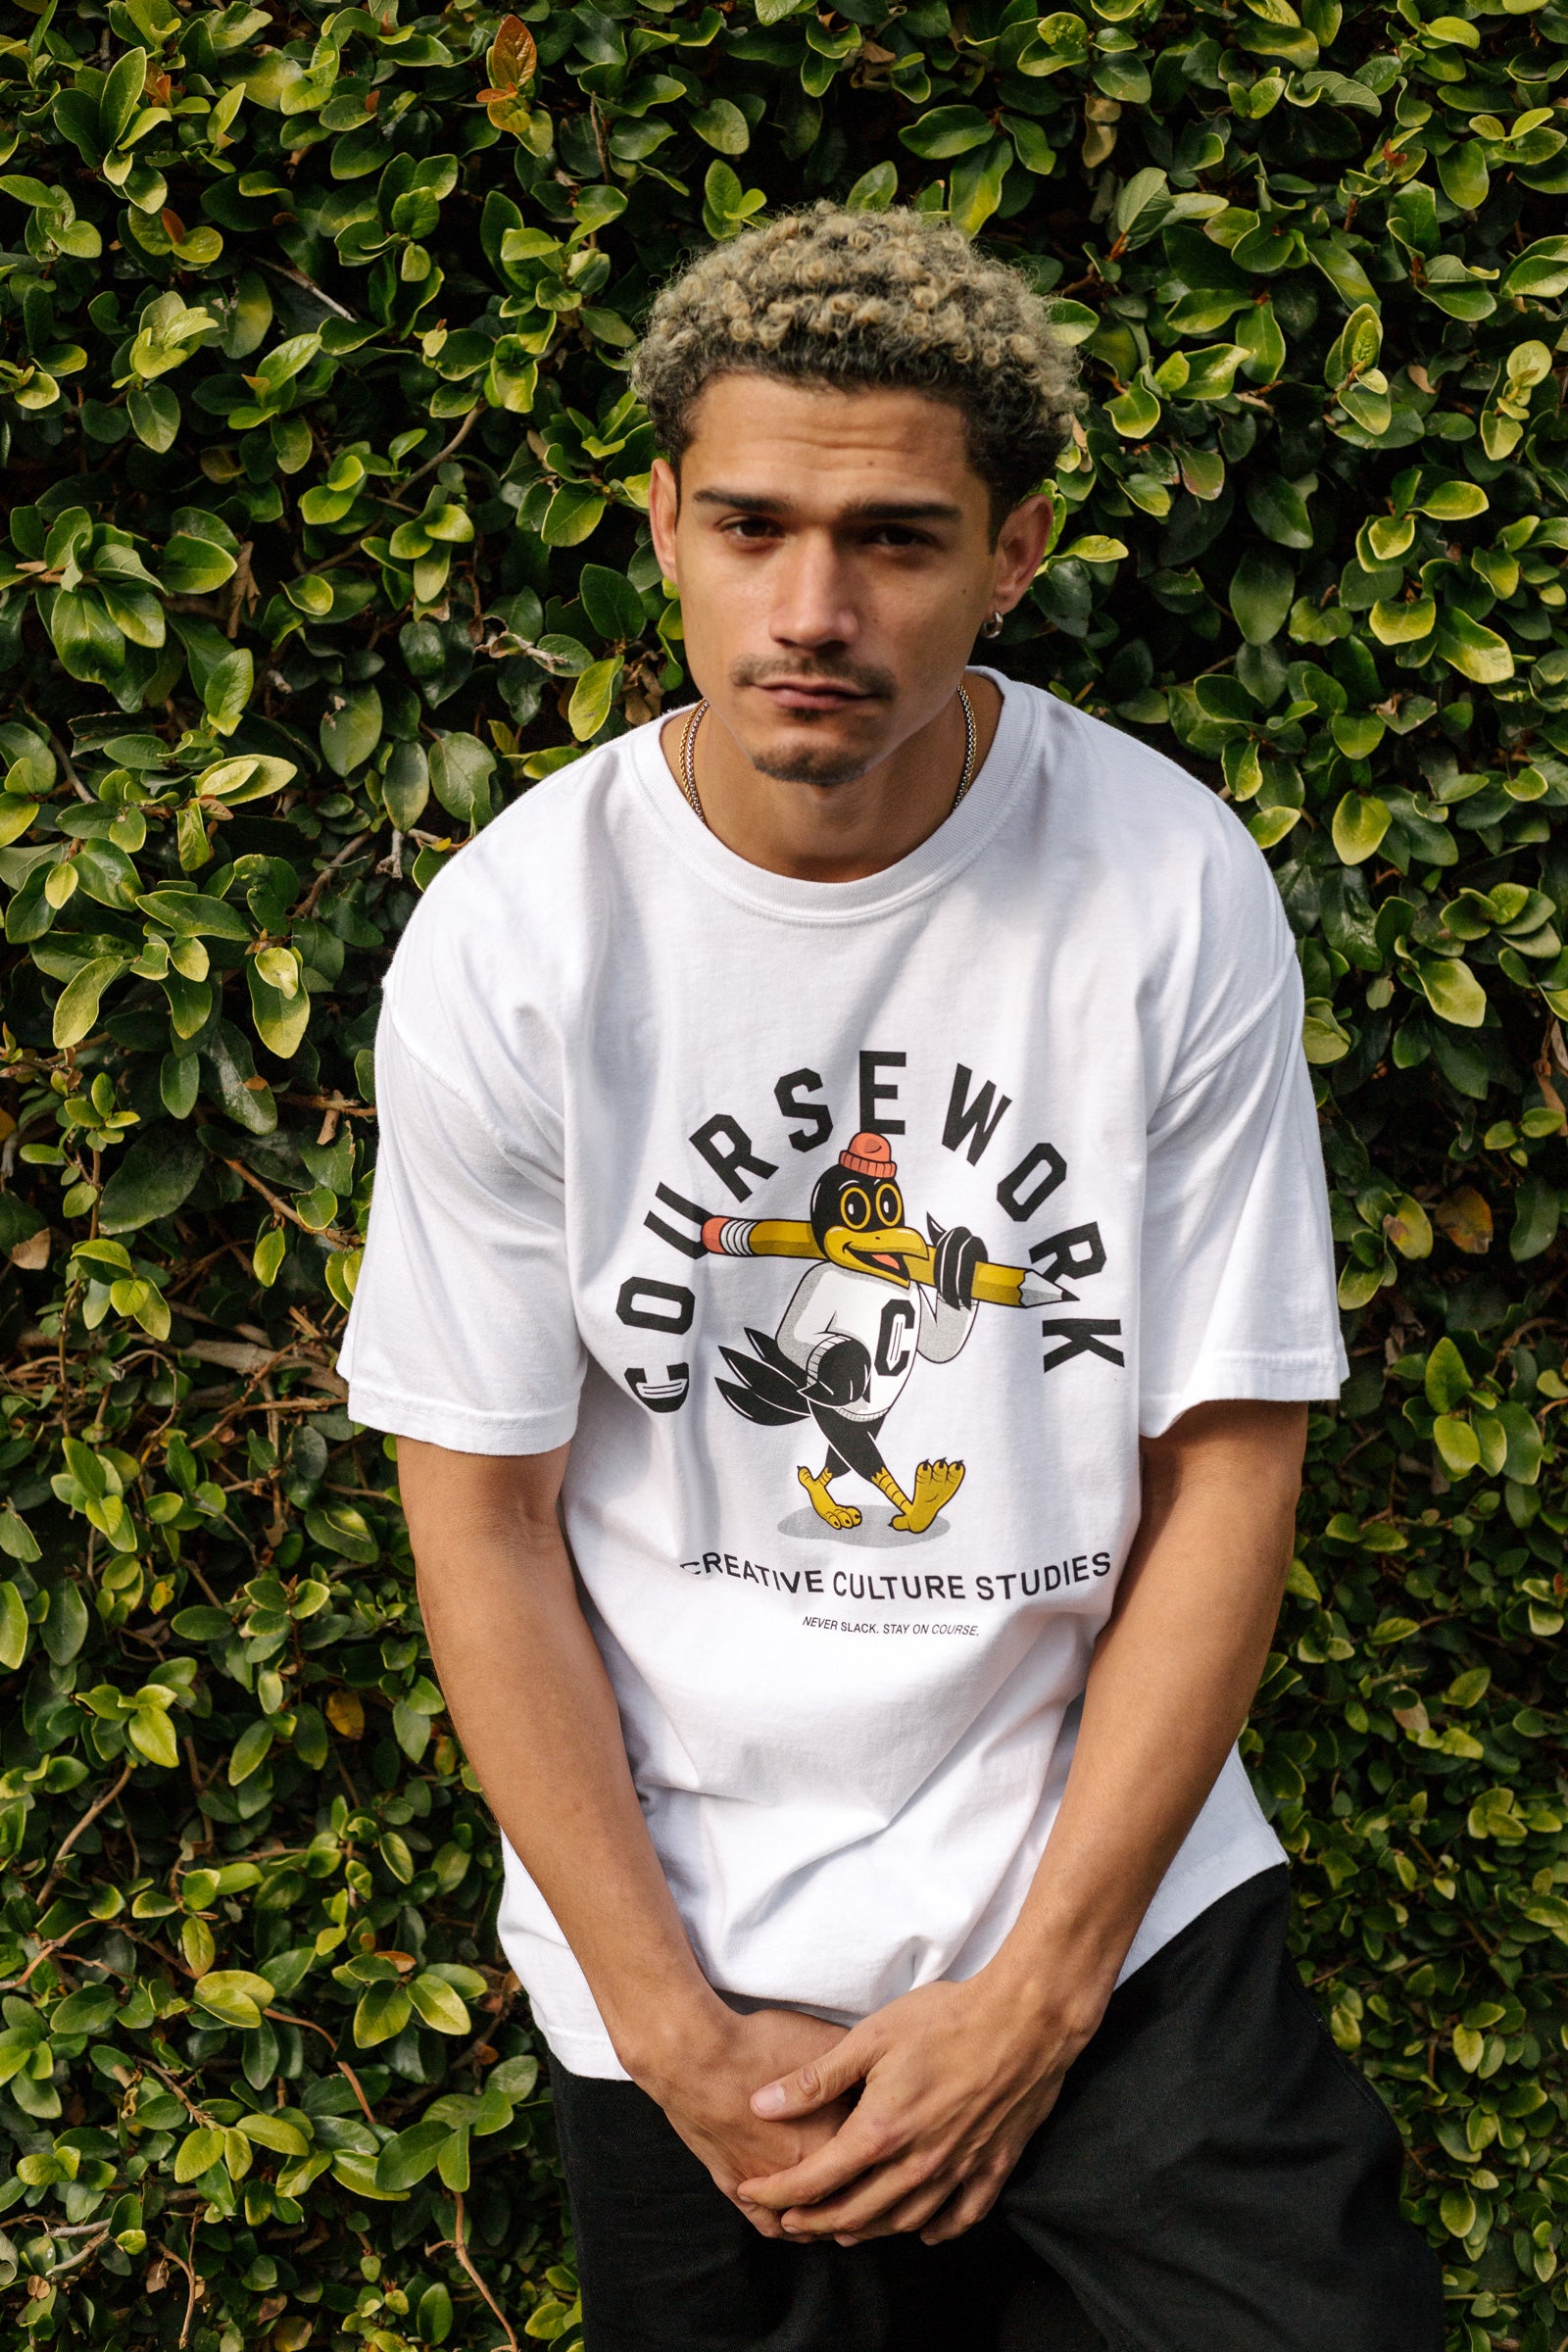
[(313, 329)]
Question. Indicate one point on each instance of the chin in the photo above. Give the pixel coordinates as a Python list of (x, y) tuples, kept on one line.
[(816, 752), (809, 764)]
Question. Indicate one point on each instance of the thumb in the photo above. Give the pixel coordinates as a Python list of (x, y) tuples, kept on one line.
[(817, 2083)]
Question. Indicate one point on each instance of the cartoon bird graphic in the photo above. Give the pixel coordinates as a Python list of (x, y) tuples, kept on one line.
[(880, 1296)]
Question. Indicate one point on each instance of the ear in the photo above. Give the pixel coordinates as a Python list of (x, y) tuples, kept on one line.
[(664, 506), (1022, 545)]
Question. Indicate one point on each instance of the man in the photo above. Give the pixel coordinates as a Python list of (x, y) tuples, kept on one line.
[(878, 1861)]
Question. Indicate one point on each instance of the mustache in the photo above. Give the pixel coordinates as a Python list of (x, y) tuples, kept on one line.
[(860, 678)]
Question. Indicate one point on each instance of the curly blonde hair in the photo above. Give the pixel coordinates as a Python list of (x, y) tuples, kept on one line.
[(861, 300)]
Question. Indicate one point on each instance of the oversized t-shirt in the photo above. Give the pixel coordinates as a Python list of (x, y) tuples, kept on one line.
[(854, 1233)]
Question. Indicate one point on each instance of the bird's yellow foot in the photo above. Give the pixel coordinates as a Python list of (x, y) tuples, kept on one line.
[(935, 1486), (837, 1514)]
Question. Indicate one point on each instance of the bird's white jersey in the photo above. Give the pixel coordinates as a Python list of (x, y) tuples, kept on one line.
[(893, 1326)]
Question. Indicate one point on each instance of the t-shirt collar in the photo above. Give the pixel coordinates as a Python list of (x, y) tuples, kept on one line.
[(958, 838)]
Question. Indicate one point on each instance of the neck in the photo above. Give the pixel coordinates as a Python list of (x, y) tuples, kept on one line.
[(835, 832)]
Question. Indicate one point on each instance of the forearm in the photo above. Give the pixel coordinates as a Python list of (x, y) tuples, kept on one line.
[(1173, 1676), (534, 1709)]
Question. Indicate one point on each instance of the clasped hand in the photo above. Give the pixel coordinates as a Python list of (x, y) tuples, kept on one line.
[(953, 2080)]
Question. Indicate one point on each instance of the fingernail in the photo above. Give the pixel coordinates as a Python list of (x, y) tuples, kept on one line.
[(769, 2100)]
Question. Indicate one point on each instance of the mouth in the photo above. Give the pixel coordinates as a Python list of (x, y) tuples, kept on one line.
[(887, 1261), (814, 694)]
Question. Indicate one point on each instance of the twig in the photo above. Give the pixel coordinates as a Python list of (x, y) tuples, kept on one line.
[(463, 2257), (74, 1831), (72, 777), (44, 1952), (456, 442), (194, 2286), (344, 2068), (284, 2019), (81, 2255), (281, 1208), (198, 2113), (307, 904), (297, 278)]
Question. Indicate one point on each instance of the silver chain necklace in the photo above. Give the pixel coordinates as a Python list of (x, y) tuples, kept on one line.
[(688, 776)]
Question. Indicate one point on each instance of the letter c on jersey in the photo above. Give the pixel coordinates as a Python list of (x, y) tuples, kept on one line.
[(899, 1319)]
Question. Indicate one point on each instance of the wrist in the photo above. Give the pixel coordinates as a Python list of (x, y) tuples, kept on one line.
[(1059, 1972), (672, 2039)]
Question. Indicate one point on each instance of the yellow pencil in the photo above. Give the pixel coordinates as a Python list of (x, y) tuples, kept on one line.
[(792, 1237)]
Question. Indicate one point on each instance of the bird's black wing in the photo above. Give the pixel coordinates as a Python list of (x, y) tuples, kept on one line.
[(767, 1387)]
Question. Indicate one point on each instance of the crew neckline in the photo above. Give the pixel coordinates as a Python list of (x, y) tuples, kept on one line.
[(960, 836)]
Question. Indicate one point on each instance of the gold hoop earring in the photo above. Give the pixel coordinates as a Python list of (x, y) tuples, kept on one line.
[(991, 626)]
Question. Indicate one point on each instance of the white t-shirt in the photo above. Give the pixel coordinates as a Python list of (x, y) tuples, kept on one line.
[(681, 1161)]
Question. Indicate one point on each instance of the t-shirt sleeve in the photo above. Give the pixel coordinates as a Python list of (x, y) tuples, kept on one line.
[(462, 1330), (1238, 1285)]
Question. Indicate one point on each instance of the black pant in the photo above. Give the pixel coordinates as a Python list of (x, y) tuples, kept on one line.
[(1214, 2177)]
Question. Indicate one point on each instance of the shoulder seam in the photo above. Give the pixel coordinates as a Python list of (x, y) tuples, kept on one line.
[(1288, 969), (441, 1079)]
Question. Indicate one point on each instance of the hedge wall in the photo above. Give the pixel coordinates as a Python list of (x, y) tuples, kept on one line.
[(325, 537)]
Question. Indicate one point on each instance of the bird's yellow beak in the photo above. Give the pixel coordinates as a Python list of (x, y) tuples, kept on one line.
[(879, 1249)]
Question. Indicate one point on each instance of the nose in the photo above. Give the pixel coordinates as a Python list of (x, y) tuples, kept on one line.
[(813, 602)]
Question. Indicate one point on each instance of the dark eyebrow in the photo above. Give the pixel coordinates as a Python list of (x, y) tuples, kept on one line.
[(884, 510)]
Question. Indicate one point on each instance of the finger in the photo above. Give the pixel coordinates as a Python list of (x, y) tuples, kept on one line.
[(828, 2170), (971, 2204), (893, 2197), (902, 2219), (765, 2223), (817, 2083)]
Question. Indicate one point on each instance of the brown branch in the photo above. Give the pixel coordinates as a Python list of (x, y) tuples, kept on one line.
[(307, 904), (81, 2255), (456, 442), (463, 2255), (284, 2019), (280, 1208), (74, 1831), (344, 2068), (15, 1984)]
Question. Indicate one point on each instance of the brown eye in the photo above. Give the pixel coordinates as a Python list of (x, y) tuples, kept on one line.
[(889, 1206), (856, 1209)]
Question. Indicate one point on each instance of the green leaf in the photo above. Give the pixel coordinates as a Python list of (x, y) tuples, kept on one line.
[(1279, 510), (1262, 588), (438, 2005), (77, 1011), (593, 697), (1453, 990), (722, 126), (1538, 1206), (382, 2013), (234, 1996), (874, 190), (1541, 271), (1359, 823), (227, 691), (194, 916), (461, 768), (155, 1178), (197, 2151), (410, 2155), (1446, 1379), (13, 1627), (1471, 648), (351, 732), (250, 1749), (947, 130), (572, 514), (154, 412), (1457, 1445)]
